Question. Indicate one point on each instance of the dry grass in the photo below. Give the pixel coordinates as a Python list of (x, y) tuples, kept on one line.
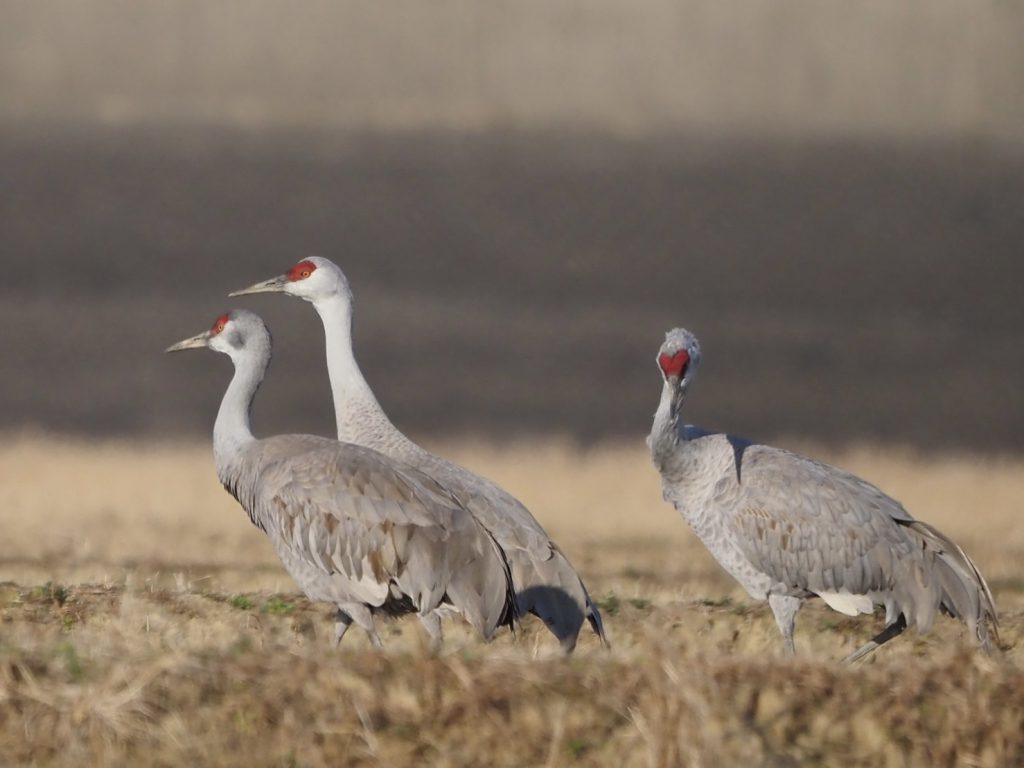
[(143, 621)]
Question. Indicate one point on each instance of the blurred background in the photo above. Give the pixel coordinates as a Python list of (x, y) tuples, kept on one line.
[(525, 196)]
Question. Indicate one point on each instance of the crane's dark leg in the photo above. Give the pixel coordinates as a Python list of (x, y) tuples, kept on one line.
[(432, 624), (360, 614), (342, 621), (785, 609), (882, 637)]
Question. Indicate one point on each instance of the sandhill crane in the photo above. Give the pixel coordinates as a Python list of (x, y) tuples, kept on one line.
[(351, 526), (788, 528), (546, 583)]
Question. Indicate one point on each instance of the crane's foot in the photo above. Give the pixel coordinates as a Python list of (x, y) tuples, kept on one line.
[(887, 634)]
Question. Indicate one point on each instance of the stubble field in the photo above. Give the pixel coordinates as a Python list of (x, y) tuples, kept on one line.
[(144, 621)]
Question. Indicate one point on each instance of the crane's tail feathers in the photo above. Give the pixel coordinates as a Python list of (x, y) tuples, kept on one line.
[(553, 591), (591, 613), (964, 592), (594, 619), (481, 586), (509, 616), (510, 612)]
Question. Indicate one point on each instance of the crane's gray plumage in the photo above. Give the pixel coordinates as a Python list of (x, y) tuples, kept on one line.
[(789, 528), (351, 526), (546, 583)]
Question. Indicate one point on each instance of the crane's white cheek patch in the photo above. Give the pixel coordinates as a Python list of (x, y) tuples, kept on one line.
[(846, 603)]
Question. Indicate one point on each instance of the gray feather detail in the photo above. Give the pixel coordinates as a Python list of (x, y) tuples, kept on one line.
[(965, 593), (816, 528), (788, 527), (354, 527), (547, 585)]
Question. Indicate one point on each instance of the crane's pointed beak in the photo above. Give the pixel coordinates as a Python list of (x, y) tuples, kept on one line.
[(273, 285), (202, 340)]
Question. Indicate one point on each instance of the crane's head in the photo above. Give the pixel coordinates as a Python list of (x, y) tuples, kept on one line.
[(679, 357), (313, 279), (231, 333)]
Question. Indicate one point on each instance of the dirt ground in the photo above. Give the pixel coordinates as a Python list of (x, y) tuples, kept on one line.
[(144, 621)]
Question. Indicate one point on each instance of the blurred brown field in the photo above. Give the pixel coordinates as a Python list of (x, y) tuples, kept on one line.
[(143, 620), (519, 285)]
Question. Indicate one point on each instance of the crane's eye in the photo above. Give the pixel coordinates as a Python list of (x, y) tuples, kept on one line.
[(218, 325), (301, 271)]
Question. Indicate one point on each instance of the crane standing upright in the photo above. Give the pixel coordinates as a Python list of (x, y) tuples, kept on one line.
[(351, 526), (789, 528), (546, 583)]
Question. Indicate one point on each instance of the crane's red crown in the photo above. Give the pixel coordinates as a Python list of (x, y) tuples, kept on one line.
[(301, 271), (218, 324), (674, 365)]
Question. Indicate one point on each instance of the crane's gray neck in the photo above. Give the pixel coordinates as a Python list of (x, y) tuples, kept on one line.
[(666, 435), (232, 430), (359, 417)]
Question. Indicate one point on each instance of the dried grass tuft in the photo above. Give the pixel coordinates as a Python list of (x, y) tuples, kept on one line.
[(143, 621)]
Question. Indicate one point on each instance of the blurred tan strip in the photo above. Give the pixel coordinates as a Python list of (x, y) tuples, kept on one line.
[(915, 69)]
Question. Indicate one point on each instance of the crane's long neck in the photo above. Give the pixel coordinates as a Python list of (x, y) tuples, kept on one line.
[(359, 417), (666, 435), (232, 430)]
